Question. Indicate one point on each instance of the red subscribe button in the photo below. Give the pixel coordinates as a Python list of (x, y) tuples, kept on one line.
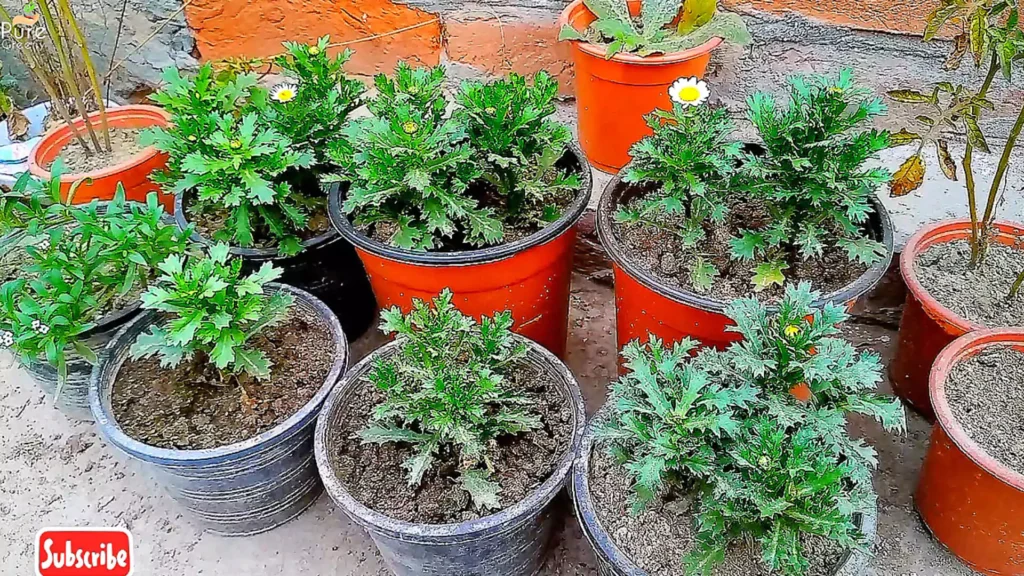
[(84, 552)]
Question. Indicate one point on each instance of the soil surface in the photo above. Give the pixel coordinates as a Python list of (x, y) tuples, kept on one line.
[(659, 538), (987, 399), (189, 408), (374, 476), (660, 253), (980, 295), (124, 144)]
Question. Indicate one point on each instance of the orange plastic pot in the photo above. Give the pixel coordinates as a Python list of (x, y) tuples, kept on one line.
[(102, 184), (646, 305), (614, 94), (530, 277), (972, 503), (927, 326)]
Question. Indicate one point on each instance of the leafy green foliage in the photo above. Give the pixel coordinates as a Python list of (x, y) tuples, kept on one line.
[(509, 127), (692, 160), (652, 32), (7, 85), (758, 431), (812, 177), (446, 392), (212, 313), (84, 262)]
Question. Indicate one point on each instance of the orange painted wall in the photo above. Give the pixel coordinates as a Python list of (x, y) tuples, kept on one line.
[(906, 16)]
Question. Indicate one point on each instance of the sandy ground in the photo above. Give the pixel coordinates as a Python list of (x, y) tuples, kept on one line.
[(57, 473)]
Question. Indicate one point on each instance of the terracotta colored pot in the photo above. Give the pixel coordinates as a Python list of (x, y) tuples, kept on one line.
[(973, 504), (133, 173), (613, 95), (530, 277), (647, 305), (927, 326)]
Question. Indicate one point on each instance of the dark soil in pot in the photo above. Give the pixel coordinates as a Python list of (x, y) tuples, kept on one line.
[(374, 476), (657, 252), (189, 408), (658, 539), (124, 144), (987, 399), (979, 295)]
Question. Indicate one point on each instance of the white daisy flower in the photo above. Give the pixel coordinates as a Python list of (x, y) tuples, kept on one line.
[(284, 92), (689, 91)]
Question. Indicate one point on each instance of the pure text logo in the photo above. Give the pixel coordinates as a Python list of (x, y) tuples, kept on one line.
[(84, 552)]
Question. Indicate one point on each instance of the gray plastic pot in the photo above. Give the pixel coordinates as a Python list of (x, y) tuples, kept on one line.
[(613, 562), (240, 489), (509, 543)]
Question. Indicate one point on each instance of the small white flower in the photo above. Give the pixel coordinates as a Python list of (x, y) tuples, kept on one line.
[(40, 327), (44, 330), (6, 339), (284, 92), (36, 324), (689, 91)]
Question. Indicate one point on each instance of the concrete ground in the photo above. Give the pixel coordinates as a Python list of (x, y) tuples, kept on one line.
[(54, 472)]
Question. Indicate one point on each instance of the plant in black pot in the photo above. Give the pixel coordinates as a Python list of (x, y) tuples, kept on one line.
[(70, 277), (247, 166), (695, 214), (218, 386), (737, 462), (449, 444), (482, 200)]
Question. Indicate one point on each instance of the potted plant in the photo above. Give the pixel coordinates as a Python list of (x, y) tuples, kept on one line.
[(696, 221), (449, 444), (737, 462), (971, 490), (247, 165), (961, 275), (102, 147), (70, 277), (627, 54), (483, 201), (217, 387)]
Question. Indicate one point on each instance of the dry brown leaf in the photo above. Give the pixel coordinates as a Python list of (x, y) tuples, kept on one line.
[(17, 125), (946, 160), (908, 178)]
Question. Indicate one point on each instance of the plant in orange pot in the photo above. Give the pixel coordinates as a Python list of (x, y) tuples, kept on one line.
[(961, 275), (483, 201), (100, 148), (627, 53)]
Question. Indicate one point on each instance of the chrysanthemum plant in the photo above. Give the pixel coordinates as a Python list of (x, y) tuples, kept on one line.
[(211, 314), (84, 262), (662, 26), (813, 177), (446, 392), (692, 160), (756, 433), (990, 32), (411, 165)]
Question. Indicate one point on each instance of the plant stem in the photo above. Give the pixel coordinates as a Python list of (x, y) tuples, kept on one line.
[(65, 64), (972, 198), (1016, 285), (69, 16), (1004, 164), (56, 100)]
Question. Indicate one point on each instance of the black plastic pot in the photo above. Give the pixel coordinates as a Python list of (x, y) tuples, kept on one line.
[(245, 488), (327, 268), (509, 543), (530, 277), (646, 304), (613, 562)]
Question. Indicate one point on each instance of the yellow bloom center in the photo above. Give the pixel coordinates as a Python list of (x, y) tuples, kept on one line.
[(314, 50), (490, 110), (192, 138), (236, 144), (764, 462), (414, 90), (689, 94), (792, 331), (285, 95), (410, 127)]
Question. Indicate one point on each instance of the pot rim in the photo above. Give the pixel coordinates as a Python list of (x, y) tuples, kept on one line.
[(569, 218), (933, 234), (959, 350), (154, 112), (270, 254), (632, 59), (851, 563), (104, 374), (442, 534), (862, 285)]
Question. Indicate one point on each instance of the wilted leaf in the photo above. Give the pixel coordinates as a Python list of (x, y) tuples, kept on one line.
[(910, 97), (956, 57), (978, 27), (937, 19), (17, 125), (908, 178), (902, 138), (946, 160)]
